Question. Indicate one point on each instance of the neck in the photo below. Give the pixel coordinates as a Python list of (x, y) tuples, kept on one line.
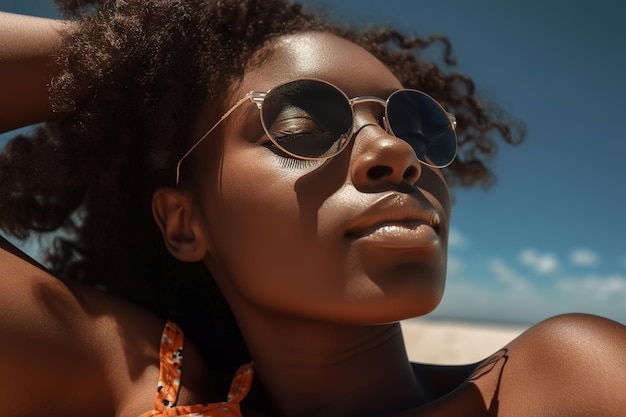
[(312, 368)]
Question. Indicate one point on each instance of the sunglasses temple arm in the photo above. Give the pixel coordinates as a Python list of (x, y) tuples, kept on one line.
[(199, 141)]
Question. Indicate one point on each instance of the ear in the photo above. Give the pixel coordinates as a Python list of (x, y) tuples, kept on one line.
[(181, 224)]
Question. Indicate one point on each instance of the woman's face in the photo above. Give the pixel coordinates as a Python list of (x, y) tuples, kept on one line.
[(359, 238)]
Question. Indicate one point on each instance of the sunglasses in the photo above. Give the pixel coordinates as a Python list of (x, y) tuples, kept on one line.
[(312, 119)]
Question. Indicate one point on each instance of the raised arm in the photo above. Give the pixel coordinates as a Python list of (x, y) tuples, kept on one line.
[(27, 65)]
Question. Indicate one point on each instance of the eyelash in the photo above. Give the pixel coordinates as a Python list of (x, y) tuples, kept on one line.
[(289, 162), (294, 163)]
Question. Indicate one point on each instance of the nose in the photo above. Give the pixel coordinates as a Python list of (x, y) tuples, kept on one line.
[(378, 158)]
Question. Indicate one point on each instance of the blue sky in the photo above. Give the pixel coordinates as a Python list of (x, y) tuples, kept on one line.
[(549, 237)]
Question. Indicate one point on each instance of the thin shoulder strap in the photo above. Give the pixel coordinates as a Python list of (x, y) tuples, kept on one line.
[(241, 384), (171, 360)]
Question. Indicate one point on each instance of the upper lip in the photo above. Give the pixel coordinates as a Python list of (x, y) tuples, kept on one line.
[(395, 208)]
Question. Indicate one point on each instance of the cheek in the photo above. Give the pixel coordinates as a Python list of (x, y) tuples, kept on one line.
[(432, 182), (268, 247), (255, 223)]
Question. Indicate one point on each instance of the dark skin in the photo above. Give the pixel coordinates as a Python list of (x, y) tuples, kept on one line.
[(97, 352), (26, 57), (313, 320)]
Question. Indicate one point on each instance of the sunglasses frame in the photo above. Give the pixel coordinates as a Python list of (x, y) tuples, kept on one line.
[(257, 97)]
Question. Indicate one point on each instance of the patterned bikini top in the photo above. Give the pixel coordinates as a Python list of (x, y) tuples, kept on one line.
[(171, 360)]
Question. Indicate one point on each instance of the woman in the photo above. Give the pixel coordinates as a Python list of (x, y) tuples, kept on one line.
[(286, 161)]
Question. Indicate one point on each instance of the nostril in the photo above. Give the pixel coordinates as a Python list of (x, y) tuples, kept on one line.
[(378, 172), (410, 173)]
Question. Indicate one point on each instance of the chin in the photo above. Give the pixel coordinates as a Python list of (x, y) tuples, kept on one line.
[(384, 308)]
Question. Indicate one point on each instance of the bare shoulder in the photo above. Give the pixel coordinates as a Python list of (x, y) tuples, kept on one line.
[(572, 364), (568, 365), (70, 351)]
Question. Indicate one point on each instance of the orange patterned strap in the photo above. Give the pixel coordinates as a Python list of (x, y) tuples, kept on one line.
[(171, 357), (241, 384)]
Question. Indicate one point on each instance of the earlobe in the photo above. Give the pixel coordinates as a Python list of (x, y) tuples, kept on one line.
[(176, 215)]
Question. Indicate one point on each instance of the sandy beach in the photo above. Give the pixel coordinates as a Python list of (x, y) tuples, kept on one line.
[(455, 342)]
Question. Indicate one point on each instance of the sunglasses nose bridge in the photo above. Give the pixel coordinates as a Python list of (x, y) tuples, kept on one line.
[(380, 157), (367, 115)]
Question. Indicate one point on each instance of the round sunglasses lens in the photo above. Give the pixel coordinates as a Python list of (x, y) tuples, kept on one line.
[(307, 118), (419, 120)]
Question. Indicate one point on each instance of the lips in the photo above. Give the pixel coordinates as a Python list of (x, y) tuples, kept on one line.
[(397, 220), (388, 227)]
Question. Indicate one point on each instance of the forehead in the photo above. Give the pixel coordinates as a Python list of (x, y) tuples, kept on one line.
[(324, 56)]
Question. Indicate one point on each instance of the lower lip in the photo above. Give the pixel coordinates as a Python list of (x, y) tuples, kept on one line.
[(405, 235)]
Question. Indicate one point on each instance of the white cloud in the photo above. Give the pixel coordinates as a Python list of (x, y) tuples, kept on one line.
[(506, 275), (483, 301), (456, 239), (595, 287), (583, 257), (501, 293), (544, 264)]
